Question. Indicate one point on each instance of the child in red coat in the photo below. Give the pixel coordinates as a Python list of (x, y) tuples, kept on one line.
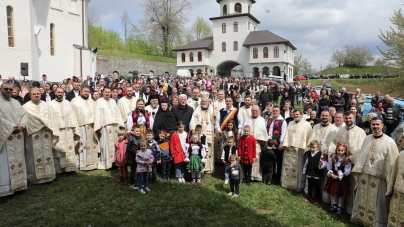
[(247, 153)]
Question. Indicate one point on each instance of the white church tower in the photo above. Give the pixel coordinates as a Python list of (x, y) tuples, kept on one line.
[(236, 41)]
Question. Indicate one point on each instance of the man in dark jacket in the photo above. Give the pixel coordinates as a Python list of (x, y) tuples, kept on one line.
[(73, 93), (264, 98), (183, 112), (391, 115)]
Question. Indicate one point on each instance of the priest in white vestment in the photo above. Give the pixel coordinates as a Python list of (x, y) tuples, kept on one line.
[(245, 110), (127, 104), (152, 108), (13, 120), (83, 107), (294, 145), (107, 120), (395, 191), (195, 101), (39, 155), (259, 131), (353, 137), (324, 133), (218, 105), (203, 115), (372, 170), (65, 120)]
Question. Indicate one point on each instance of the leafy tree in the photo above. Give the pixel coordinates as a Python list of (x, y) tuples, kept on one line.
[(201, 29), (164, 22), (338, 57), (126, 25), (302, 65), (394, 40), (103, 38), (352, 56)]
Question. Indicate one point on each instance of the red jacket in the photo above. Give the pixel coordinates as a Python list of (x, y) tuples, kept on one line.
[(176, 148), (248, 143)]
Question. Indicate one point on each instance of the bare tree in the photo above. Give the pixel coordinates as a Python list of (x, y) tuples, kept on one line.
[(338, 57), (126, 25), (165, 18), (92, 16)]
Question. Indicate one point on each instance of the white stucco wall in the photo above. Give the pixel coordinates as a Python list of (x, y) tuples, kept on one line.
[(35, 49)]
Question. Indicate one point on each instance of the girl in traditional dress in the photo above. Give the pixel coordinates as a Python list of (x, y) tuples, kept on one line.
[(247, 153), (141, 118), (196, 157), (337, 184), (121, 157), (177, 150)]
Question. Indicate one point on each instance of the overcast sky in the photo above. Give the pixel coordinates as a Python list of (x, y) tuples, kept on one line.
[(315, 27)]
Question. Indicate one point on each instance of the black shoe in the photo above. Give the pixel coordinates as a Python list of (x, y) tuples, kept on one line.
[(339, 211)]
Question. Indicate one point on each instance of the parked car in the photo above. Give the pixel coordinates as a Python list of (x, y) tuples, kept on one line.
[(379, 75), (344, 76), (313, 77), (367, 75), (331, 76), (354, 76), (299, 77)]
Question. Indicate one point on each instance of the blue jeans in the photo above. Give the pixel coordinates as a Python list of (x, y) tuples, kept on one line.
[(179, 170), (226, 174), (142, 179)]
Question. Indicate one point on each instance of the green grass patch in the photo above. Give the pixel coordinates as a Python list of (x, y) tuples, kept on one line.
[(95, 199), (357, 70), (338, 83), (123, 54)]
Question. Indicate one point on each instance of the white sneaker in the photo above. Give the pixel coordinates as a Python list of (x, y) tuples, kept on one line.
[(226, 181), (132, 186), (142, 191), (147, 189), (183, 180), (230, 194), (180, 180), (235, 196)]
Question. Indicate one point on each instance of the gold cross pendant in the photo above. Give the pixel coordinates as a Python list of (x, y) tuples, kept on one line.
[(372, 159)]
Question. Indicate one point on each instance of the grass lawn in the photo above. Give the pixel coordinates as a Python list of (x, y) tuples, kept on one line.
[(123, 54), (95, 199)]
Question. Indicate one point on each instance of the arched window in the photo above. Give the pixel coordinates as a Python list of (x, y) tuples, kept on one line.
[(199, 56), (235, 46), (265, 52), (235, 27), (276, 52), (52, 39), (183, 57), (225, 10), (237, 8), (224, 28), (255, 53), (191, 57), (10, 26), (223, 47)]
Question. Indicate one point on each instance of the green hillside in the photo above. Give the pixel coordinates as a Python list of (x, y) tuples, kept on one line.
[(355, 70), (123, 54)]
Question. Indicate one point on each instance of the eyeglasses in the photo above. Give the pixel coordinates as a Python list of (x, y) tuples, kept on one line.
[(238, 97), (8, 89)]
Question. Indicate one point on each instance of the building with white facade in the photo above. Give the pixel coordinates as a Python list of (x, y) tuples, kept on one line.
[(236, 41), (48, 35)]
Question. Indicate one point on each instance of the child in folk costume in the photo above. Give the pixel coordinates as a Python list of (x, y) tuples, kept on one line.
[(247, 153), (267, 161), (121, 158), (177, 150), (164, 145), (196, 157), (337, 184), (201, 138), (154, 147), (234, 171), (141, 117), (313, 171), (228, 150), (144, 160)]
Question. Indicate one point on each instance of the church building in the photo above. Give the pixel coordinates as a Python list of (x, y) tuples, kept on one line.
[(237, 41), (50, 35)]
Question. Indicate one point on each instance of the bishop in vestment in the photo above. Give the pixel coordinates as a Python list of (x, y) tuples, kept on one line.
[(372, 171), (107, 120), (65, 120), (203, 115), (13, 119), (83, 107), (259, 131), (294, 145), (39, 156)]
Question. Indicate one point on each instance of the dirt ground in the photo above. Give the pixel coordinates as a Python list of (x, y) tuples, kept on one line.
[(371, 89)]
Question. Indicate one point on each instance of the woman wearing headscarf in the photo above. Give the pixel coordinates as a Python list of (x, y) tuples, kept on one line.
[(164, 119)]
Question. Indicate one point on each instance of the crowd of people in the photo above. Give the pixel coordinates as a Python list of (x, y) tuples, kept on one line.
[(255, 127)]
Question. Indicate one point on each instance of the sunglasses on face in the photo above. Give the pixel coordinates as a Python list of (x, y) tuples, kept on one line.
[(8, 89)]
